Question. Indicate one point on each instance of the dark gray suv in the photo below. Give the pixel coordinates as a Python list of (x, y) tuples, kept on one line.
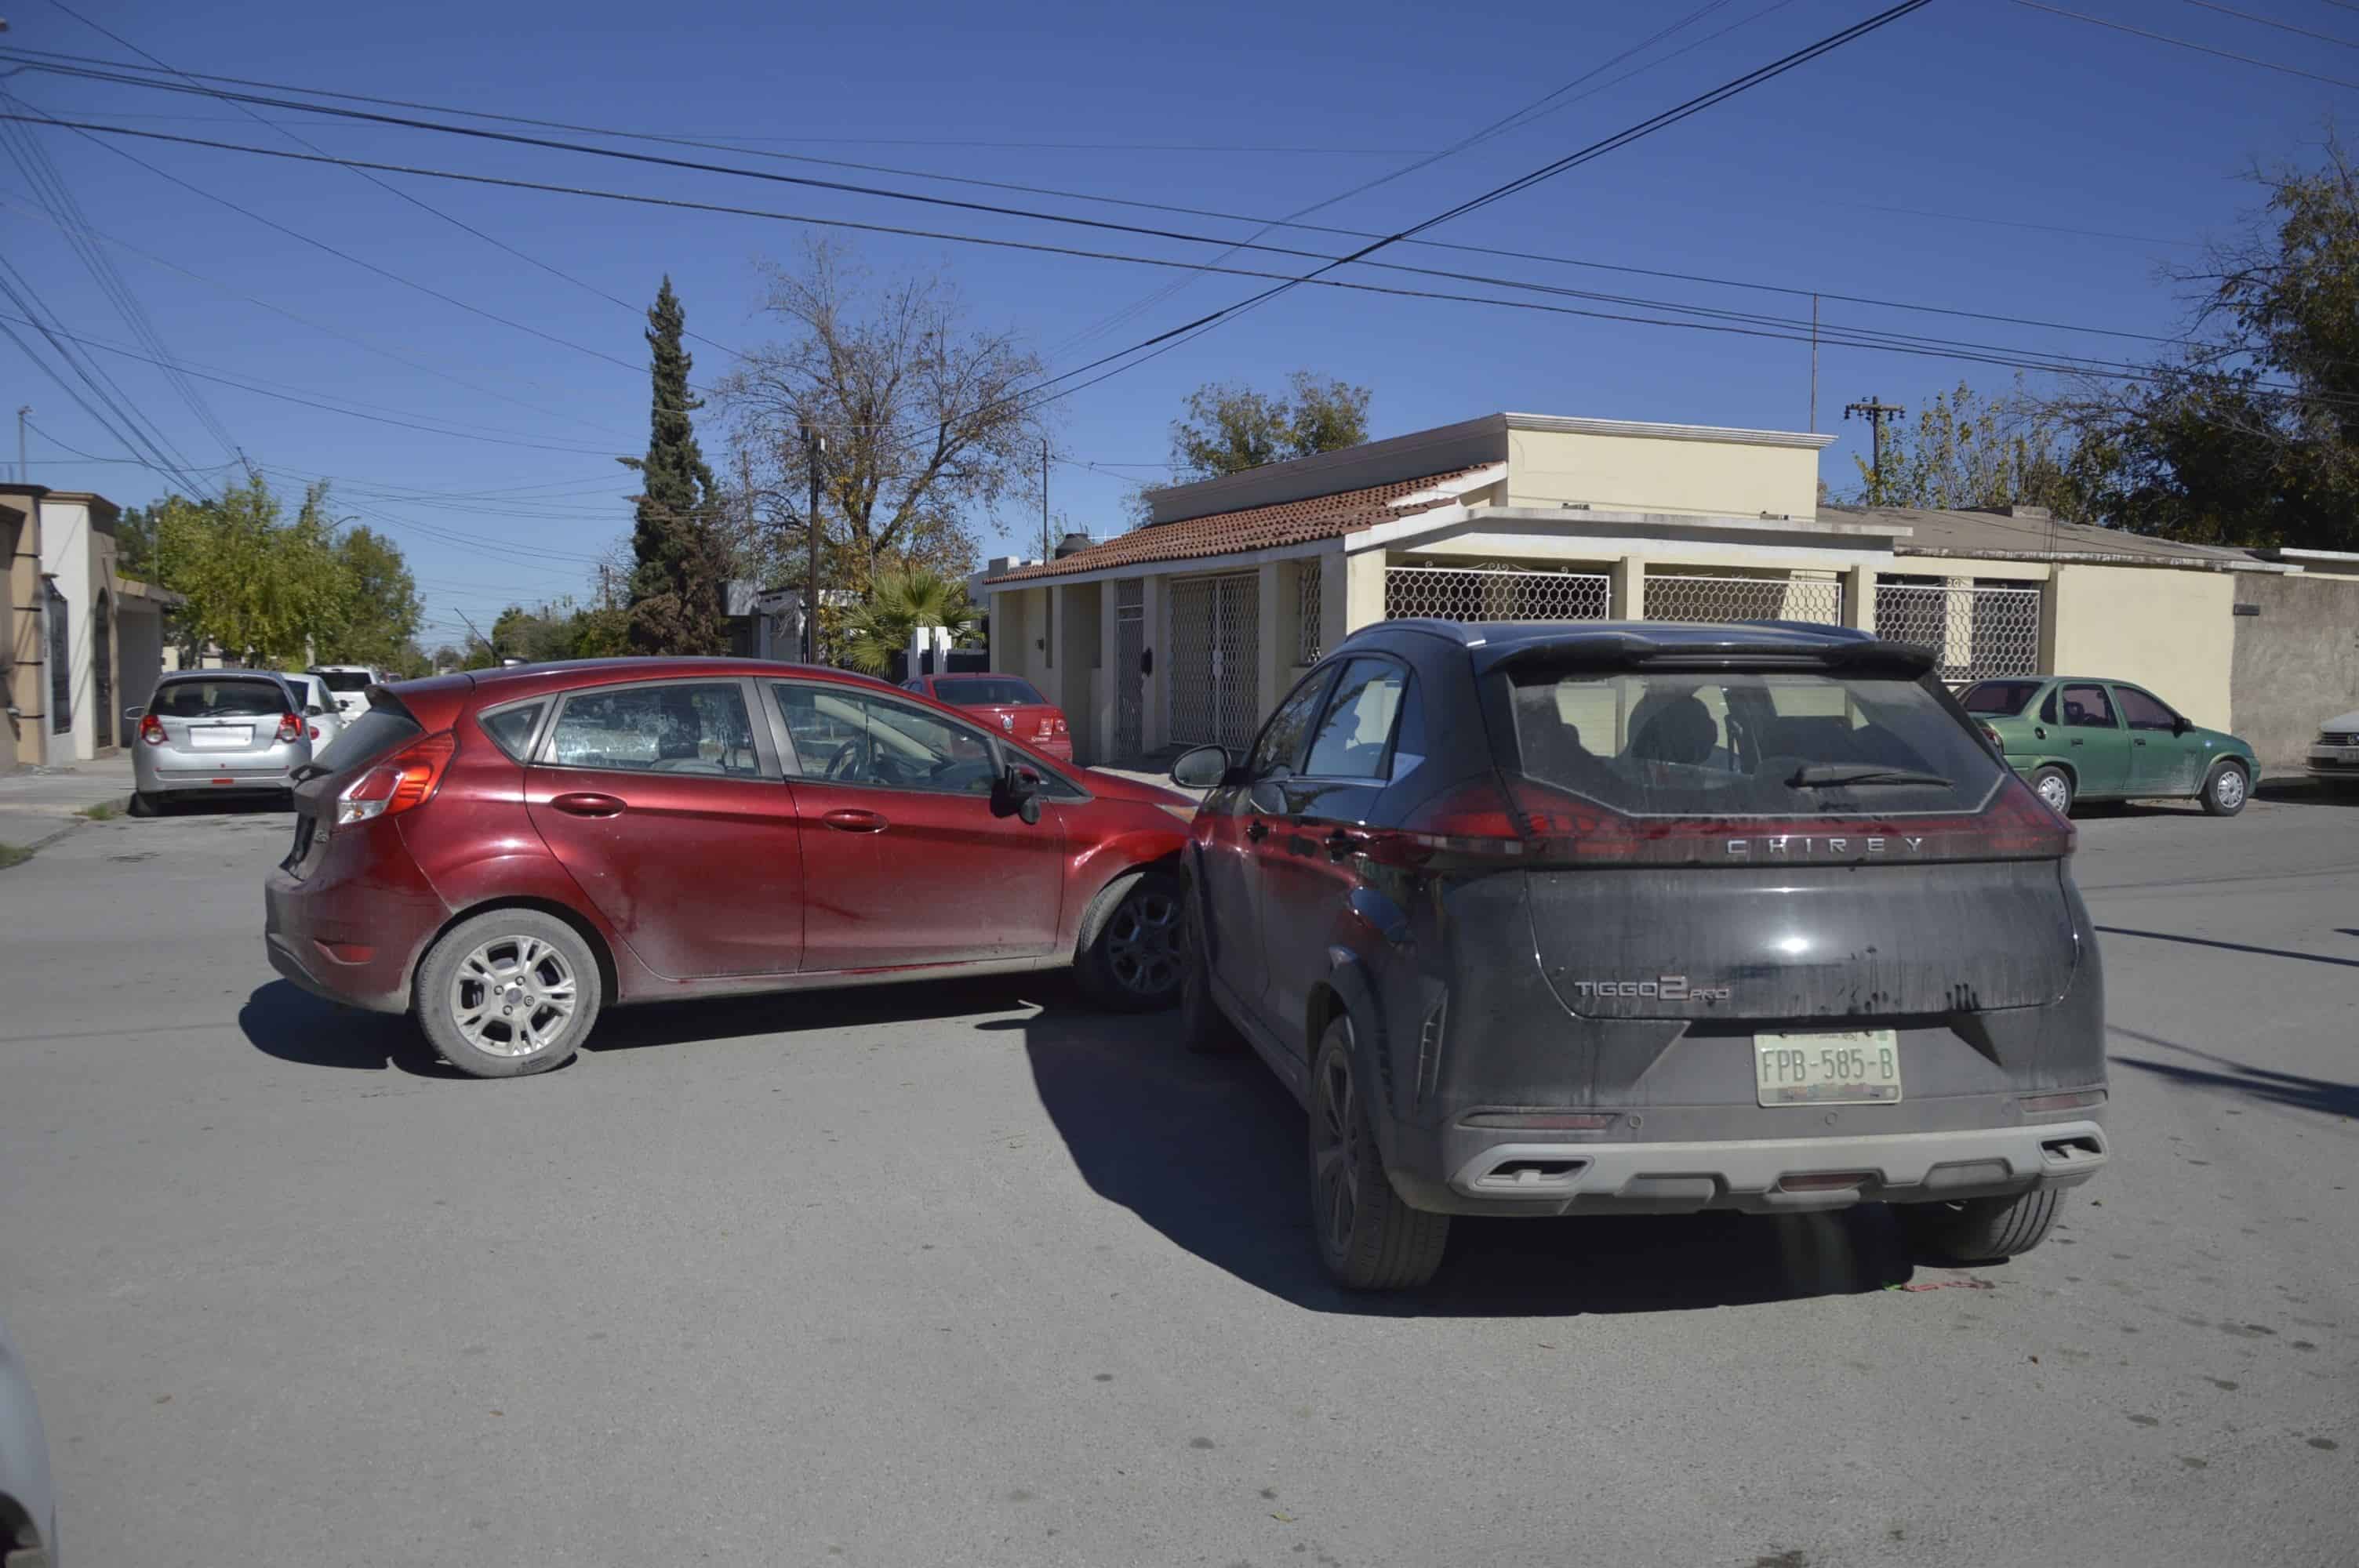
[(1647, 918)]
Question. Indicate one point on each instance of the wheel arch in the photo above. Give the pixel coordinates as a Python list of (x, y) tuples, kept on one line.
[(609, 978)]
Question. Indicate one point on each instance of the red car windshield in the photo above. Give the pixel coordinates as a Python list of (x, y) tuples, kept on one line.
[(987, 691)]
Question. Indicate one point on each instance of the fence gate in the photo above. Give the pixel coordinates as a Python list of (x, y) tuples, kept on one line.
[(1745, 599), (1215, 647), (1494, 593), (1129, 678), (1976, 632)]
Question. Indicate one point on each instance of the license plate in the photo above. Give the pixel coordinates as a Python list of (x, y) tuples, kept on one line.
[(222, 738), (1856, 1066)]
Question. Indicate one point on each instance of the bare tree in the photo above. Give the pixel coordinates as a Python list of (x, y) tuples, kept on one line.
[(926, 418)]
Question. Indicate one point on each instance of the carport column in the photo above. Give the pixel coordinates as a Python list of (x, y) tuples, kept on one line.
[(1334, 598), (1859, 598), (1106, 680), (1362, 591), (1958, 623), (1274, 649), (1152, 731), (1627, 589), (2051, 607), (1001, 603)]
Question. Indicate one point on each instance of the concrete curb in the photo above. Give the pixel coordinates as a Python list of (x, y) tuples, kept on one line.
[(122, 804)]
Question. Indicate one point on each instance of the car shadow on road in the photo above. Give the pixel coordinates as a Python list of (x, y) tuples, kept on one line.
[(1210, 1152), (282, 1020)]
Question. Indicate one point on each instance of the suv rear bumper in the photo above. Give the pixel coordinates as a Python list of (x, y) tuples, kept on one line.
[(1481, 1173)]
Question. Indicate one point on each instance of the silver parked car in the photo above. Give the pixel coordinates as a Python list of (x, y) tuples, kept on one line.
[(2335, 755), (28, 1508), (323, 721), (217, 732)]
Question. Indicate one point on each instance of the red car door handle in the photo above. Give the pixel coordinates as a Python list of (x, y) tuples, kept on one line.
[(587, 805), (852, 821), (1256, 831), (1344, 840)]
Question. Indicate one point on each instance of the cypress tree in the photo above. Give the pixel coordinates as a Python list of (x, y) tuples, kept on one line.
[(676, 585)]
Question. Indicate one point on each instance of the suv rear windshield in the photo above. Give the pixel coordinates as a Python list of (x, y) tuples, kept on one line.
[(1650, 743), (1999, 698), (233, 698), (346, 680), (987, 691)]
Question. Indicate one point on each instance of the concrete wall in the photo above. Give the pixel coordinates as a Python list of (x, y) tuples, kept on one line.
[(139, 655), (1725, 478), (20, 634), (1079, 658), (2171, 632), (2296, 663)]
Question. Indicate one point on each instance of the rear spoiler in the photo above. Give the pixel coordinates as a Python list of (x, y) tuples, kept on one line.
[(1743, 649)]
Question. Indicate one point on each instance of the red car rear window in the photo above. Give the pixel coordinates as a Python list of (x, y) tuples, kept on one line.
[(987, 691)]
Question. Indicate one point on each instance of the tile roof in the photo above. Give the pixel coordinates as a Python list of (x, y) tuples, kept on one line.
[(1254, 528)]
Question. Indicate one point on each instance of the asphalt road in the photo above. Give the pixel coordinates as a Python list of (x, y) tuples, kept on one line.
[(974, 1275)]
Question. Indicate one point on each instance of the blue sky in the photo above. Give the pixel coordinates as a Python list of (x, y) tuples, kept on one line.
[(2012, 122)]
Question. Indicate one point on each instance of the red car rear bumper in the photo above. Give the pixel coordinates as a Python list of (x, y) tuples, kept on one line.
[(351, 928)]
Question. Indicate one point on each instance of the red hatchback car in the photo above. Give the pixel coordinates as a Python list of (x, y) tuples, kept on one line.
[(1014, 704), (503, 853)]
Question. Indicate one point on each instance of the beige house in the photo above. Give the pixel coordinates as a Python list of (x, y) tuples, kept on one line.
[(78, 642), (1189, 628)]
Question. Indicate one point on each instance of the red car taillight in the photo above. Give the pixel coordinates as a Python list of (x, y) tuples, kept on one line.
[(289, 728), (151, 729), (1531, 824), (407, 778), (1061, 726)]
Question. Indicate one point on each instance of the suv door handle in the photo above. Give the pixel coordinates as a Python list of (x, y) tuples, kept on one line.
[(849, 819), (583, 803), (1256, 831), (1344, 841), (2076, 740)]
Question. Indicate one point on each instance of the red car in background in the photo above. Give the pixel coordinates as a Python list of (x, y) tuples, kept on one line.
[(502, 853), (1014, 703)]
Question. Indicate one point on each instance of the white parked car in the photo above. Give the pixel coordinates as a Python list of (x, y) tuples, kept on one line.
[(320, 714), (350, 683), (2335, 755)]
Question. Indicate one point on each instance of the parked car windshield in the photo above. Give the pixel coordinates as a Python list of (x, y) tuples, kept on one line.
[(1999, 698), (987, 691), (346, 680), (1662, 743), (233, 699)]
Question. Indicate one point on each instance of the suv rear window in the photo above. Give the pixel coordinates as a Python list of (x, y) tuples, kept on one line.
[(987, 691), (233, 698), (1997, 699), (346, 680), (1652, 743)]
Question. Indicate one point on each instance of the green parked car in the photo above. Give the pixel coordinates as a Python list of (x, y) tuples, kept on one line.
[(2080, 738)]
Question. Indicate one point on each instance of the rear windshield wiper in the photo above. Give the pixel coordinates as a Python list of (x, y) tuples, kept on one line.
[(1828, 776)]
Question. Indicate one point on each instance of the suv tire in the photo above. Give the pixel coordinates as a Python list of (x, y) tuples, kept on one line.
[(1132, 945), (2227, 779), (1368, 1238), (2054, 786), (1982, 1230), (550, 972)]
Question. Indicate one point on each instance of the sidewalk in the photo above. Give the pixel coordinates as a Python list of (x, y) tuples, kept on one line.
[(37, 804)]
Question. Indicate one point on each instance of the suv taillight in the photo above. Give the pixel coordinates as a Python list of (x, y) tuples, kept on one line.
[(151, 729), (407, 778), (289, 728), (1530, 824)]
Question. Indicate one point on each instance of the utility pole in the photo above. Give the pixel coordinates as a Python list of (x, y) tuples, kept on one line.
[(489, 646), (1047, 549), (24, 474), (1814, 365), (814, 449), (1875, 411)]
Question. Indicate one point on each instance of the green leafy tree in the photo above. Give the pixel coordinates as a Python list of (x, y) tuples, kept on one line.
[(1962, 451), (678, 567), (2250, 435), (899, 601), (266, 589), (134, 543), (1230, 427), (383, 608)]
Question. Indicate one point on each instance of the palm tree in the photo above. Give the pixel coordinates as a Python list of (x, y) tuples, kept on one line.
[(899, 601)]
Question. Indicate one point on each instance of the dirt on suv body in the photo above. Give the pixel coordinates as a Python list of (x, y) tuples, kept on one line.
[(1557, 920)]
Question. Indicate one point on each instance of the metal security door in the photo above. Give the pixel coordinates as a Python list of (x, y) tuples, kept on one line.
[(101, 672), (1129, 677), (1215, 654)]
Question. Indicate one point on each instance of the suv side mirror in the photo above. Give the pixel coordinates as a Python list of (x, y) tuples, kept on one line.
[(1205, 767), (1019, 788)]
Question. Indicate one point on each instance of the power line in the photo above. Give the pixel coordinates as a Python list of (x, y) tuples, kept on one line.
[(1232, 245), (2273, 22), (2186, 44)]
